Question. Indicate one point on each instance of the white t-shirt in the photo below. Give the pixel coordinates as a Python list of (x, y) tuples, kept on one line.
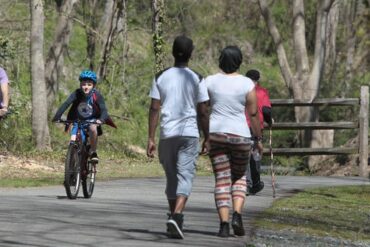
[(179, 90), (228, 98)]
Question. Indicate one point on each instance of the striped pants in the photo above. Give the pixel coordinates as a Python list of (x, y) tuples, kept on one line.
[(229, 156)]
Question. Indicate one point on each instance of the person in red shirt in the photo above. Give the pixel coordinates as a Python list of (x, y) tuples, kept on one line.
[(254, 182)]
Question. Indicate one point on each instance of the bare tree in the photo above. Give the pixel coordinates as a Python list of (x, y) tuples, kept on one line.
[(106, 20), (55, 59), (123, 30), (40, 127), (331, 44), (113, 24), (304, 82), (359, 43), (346, 60), (90, 8), (157, 23)]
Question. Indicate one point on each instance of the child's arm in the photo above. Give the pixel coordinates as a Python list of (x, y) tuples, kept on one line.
[(65, 106), (103, 109)]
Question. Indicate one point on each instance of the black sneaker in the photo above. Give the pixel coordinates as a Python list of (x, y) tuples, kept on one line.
[(174, 226), (237, 224), (94, 157), (224, 231), (256, 188)]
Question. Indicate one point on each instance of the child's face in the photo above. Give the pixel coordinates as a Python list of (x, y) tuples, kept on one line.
[(87, 86)]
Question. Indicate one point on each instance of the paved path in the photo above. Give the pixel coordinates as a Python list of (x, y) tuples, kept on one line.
[(128, 212)]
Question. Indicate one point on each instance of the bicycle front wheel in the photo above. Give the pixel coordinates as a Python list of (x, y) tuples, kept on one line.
[(72, 176), (88, 181)]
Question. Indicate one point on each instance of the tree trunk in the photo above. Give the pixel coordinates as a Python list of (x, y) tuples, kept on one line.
[(113, 25), (350, 12), (304, 84), (55, 59), (310, 87), (331, 35), (122, 30), (320, 139), (362, 20), (157, 23), (323, 138), (106, 20), (90, 29), (40, 127)]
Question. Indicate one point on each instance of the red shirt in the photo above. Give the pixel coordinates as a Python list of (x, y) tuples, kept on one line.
[(263, 99)]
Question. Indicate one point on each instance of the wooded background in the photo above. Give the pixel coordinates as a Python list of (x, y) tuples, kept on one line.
[(303, 49)]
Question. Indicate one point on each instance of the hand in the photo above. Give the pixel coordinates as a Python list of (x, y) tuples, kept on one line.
[(259, 147), (150, 149), (3, 111), (206, 146), (98, 121), (271, 122)]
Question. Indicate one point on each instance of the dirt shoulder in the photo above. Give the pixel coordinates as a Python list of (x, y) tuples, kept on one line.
[(12, 166)]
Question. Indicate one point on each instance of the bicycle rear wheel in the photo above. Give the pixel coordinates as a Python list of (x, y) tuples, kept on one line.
[(72, 176), (88, 181)]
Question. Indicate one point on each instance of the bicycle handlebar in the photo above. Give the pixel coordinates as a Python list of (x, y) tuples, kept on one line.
[(78, 121)]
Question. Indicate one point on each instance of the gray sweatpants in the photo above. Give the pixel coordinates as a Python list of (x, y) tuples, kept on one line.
[(178, 157)]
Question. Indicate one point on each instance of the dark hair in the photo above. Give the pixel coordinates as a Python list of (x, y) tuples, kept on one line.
[(253, 74), (230, 59), (182, 48)]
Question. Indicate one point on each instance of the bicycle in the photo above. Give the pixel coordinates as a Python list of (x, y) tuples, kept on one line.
[(78, 168)]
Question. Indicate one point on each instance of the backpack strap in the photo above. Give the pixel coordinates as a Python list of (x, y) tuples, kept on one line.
[(95, 103), (109, 121)]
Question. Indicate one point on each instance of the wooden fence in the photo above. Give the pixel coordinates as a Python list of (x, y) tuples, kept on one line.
[(361, 124)]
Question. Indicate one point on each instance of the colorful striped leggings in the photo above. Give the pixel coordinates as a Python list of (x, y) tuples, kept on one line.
[(229, 156)]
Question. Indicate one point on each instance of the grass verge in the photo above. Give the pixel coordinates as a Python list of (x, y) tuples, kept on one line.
[(340, 212), (42, 169)]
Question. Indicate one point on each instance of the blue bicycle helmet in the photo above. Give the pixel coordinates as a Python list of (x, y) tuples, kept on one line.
[(88, 75)]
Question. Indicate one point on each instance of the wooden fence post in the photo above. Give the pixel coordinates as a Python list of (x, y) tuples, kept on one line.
[(363, 132)]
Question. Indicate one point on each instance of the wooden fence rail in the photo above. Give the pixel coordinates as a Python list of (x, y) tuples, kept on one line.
[(361, 124)]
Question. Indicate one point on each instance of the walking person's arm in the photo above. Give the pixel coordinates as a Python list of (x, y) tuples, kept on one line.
[(266, 108), (103, 109), (204, 125), (5, 93), (252, 110), (64, 106), (154, 109)]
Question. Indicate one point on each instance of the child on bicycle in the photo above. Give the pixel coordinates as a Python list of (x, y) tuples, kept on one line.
[(87, 104)]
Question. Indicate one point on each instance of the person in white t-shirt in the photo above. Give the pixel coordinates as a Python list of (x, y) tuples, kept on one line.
[(231, 95), (181, 97)]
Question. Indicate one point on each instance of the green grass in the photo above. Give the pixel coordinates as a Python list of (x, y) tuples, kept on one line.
[(30, 182), (341, 212)]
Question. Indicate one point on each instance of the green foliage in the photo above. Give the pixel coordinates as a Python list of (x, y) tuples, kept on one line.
[(334, 211), (30, 182), (129, 75), (6, 48)]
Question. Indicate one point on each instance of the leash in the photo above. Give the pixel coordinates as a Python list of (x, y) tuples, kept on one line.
[(272, 165)]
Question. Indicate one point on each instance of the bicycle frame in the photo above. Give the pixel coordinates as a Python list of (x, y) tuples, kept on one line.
[(77, 165)]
